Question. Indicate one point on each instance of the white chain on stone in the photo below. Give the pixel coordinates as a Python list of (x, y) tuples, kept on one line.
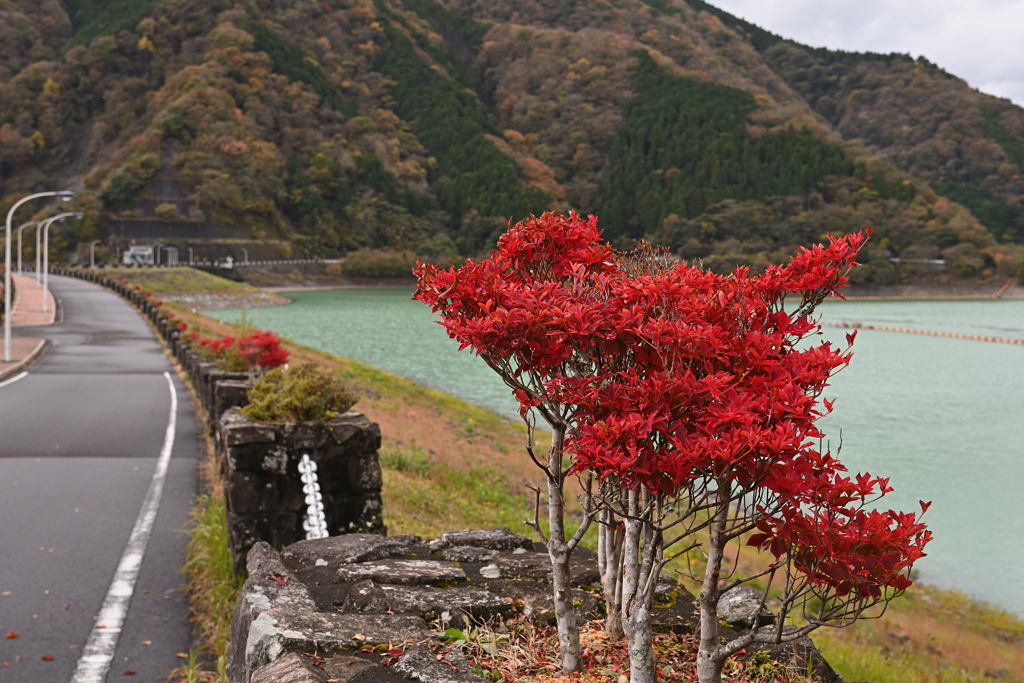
[(315, 523)]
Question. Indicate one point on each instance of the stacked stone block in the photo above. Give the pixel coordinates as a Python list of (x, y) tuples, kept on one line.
[(264, 494)]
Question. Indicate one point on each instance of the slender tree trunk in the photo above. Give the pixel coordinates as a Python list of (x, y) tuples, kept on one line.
[(558, 551), (709, 661), (636, 610), (609, 549)]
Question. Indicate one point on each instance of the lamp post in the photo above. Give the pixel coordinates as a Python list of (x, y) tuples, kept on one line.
[(92, 253), (63, 194), (46, 253), (36, 223)]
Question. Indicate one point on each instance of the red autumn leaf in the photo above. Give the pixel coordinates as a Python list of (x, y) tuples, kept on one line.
[(12, 634), (47, 658)]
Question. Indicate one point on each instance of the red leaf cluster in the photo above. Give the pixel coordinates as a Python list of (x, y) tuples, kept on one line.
[(672, 377), (260, 349)]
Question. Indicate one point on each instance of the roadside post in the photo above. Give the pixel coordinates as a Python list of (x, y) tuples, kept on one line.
[(35, 223), (46, 253)]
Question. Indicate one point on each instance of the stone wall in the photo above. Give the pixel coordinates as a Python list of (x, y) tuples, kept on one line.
[(262, 486)]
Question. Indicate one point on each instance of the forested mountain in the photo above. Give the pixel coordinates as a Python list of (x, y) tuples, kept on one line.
[(423, 125)]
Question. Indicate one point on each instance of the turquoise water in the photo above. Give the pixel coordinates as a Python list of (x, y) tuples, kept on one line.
[(942, 417)]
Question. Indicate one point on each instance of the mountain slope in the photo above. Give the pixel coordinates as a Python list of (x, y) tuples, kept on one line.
[(409, 124)]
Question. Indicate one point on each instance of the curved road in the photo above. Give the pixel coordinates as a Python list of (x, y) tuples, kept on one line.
[(80, 439)]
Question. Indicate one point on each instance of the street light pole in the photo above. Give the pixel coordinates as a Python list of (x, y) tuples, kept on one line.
[(20, 272), (92, 253), (63, 194), (46, 253)]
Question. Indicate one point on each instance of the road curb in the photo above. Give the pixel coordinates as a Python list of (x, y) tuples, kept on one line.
[(41, 348)]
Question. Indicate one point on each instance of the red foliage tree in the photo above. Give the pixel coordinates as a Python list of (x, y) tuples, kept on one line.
[(704, 418), (506, 308), (692, 399)]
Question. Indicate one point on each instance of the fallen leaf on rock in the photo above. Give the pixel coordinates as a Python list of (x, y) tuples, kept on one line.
[(181, 655), (47, 658), (6, 663), (6, 593), (12, 634), (145, 591), (66, 605), (359, 636), (167, 597), (127, 672), (147, 642)]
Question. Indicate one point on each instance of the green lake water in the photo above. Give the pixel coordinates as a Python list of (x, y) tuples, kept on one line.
[(944, 418)]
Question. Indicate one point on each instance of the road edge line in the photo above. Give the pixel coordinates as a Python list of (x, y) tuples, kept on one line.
[(37, 353), (98, 653)]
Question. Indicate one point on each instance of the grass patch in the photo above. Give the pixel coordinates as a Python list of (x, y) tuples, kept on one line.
[(426, 498), (213, 589), (179, 281)]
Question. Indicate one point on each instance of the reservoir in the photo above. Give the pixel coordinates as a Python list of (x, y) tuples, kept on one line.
[(942, 417)]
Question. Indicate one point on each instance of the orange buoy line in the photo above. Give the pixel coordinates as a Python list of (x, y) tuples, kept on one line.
[(931, 333)]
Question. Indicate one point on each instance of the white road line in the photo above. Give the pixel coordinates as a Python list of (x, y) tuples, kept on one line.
[(14, 379), (99, 649)]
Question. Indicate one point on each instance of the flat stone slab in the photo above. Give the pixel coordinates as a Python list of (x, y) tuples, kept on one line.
[(468, 553), (281, 630), (344, 669), (445, 666), (427, 602), (538, 602), (537, 567), (403, 572), (290, 668), (346, 549), (739, 606), (501, 538)]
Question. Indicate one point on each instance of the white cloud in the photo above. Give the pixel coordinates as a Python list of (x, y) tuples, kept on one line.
[(979, 41)]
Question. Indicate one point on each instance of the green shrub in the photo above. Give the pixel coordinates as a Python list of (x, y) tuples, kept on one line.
[(302, 394), (378, 263)]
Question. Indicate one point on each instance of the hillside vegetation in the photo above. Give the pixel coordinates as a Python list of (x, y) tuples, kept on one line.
[(424, 126)]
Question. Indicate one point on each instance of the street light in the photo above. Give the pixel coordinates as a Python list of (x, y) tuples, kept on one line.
[(66, 195), (92, 253), (36, 223), (46, 253)]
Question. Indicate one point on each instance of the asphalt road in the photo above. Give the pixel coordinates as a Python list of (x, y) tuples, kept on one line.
[(80, 438)]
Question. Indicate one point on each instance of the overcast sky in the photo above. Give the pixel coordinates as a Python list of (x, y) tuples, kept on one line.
[(981, 41)]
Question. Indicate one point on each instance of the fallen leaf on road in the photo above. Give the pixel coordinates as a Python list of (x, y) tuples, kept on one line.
[(47, 658), (66, 605), (181, 655), (6, 593), (7, 663), (167, 597), (145, 591), (359, 636), (147, 642), (127, 672), (12, 634)]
